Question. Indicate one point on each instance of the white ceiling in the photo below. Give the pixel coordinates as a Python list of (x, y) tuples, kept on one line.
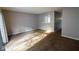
[(33, 10)]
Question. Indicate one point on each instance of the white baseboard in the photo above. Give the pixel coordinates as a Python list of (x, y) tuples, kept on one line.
[(70, 37), (14, 33)]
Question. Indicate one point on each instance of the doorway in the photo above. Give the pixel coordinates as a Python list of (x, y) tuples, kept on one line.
[(58, 22)]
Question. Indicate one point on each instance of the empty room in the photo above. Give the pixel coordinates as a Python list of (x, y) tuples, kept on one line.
[(39, 29)]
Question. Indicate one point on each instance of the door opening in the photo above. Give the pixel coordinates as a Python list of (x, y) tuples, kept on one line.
[(58, 22)]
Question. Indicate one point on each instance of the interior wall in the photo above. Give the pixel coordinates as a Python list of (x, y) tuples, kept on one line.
[(17, 22), (42, 21), (70, 22)]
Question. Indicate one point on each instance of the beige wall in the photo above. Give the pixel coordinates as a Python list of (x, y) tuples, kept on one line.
[(42, 21), (19, 22), (70, 22)]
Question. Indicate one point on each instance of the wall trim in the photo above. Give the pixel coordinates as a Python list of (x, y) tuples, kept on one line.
[(21, 32), (70, 37)]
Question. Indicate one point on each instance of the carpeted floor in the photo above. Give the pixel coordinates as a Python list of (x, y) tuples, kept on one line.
[(45, 42), (23, 41), (54, 42)]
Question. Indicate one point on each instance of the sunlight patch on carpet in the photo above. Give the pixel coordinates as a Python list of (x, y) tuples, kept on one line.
[(24, 42)]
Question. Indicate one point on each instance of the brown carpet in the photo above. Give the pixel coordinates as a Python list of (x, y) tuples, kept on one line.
[(54, 42)]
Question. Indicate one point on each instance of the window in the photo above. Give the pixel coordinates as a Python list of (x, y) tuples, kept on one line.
[(47, 19)]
